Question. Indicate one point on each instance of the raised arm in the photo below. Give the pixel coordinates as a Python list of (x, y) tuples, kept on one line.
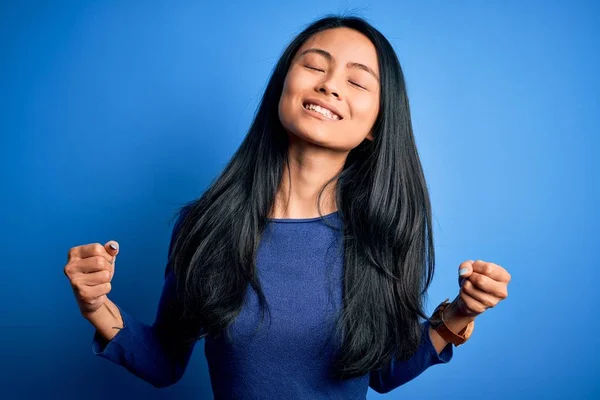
[(156, 353)]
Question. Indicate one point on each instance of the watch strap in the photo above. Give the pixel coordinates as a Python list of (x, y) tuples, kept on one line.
[(438, 323)]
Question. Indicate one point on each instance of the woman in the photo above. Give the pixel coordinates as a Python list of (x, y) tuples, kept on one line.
[(322, 218)]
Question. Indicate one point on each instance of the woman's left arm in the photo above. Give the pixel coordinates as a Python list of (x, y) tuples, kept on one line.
[(482, 285)]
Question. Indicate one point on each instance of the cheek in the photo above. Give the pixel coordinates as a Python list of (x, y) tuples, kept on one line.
[(365, 110), (285, 104), (291, 84)]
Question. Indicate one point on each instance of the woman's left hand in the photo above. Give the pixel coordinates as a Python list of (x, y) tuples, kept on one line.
[(482, 285)]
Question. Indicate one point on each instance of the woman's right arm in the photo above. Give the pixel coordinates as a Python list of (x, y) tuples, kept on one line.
[(157, 353)]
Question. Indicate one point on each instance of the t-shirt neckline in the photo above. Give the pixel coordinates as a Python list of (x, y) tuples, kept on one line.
[(292, 220)]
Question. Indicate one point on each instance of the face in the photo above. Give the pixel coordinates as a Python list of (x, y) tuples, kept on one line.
[(330, 95)]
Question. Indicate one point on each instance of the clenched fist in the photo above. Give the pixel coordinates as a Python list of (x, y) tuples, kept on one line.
[(90, 269), (482, 285)]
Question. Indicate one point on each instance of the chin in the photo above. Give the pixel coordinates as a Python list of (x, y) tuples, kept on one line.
[(319, 137)]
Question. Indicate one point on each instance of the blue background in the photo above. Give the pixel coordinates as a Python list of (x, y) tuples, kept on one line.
[(112, 115)]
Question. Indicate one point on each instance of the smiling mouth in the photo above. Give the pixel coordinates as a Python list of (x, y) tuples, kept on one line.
[(322, 111)]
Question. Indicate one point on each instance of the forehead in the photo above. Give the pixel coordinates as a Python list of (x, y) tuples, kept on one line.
[(345, 45)]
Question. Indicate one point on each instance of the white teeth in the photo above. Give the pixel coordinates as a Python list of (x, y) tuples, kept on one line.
[(323, 111)]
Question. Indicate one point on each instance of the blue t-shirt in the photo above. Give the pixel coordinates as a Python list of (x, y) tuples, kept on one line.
[(299, 263)]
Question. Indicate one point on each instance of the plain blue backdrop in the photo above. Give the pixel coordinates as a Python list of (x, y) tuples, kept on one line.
[(115, 113)]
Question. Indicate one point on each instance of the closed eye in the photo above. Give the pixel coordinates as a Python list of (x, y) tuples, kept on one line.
[(356, 84), (314, 69)]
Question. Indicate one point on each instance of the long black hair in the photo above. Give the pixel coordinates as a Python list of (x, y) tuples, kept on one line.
[(382, 199)]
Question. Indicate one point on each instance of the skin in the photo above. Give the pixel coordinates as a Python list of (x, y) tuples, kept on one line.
[(319, 147), (483, 285)]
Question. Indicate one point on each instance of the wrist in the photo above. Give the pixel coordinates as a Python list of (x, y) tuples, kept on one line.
[(455, 318), (107, 320)]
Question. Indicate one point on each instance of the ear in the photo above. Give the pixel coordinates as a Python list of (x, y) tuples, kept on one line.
[(370, 136)]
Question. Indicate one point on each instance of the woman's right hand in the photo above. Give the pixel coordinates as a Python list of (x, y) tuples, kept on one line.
[(90, 269)]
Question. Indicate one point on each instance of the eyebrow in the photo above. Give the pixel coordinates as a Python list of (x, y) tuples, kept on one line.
[(350, 64)]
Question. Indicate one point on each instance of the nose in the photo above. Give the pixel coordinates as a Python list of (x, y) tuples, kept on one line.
[(327, 87)]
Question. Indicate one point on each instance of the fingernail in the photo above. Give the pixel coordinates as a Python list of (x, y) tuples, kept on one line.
[(112, 246), (463, 271)]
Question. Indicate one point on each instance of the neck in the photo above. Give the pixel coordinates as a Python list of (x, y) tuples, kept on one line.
[(310, 168)]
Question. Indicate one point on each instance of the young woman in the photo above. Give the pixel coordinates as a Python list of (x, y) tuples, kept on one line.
[(306, 263)]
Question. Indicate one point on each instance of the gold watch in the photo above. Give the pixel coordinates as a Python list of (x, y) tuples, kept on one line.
[(437, 323)]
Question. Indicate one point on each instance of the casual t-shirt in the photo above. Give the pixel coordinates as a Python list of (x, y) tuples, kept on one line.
[(299, 264)]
